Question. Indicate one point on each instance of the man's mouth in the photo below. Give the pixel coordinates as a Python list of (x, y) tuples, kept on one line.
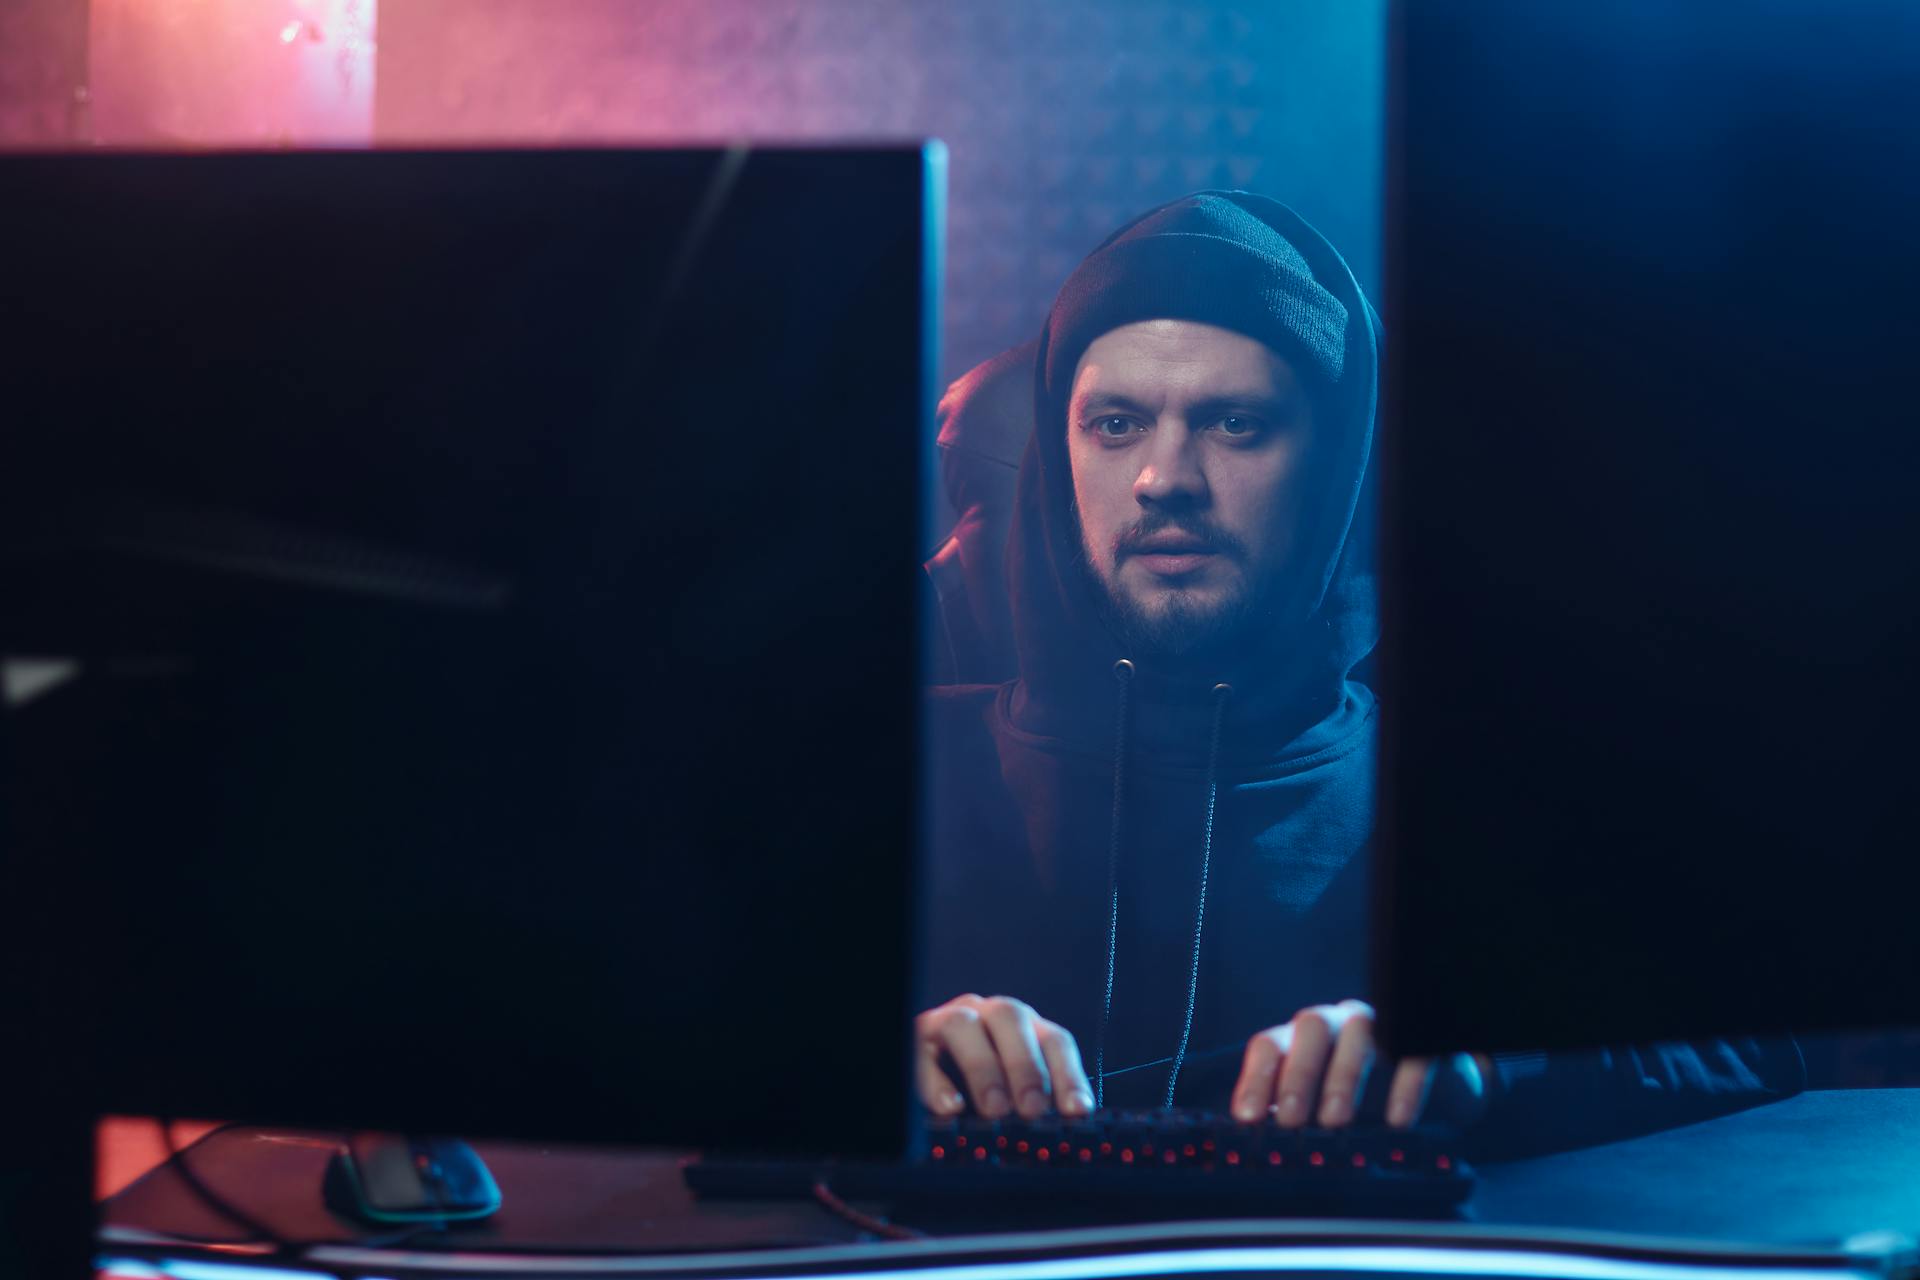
[(1172, 557)]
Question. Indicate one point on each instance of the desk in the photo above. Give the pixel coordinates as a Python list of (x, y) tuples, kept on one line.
[(1819, 1167)]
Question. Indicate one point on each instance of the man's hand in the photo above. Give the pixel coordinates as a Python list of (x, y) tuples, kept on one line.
[(1315, 1069), (1011, 1058)]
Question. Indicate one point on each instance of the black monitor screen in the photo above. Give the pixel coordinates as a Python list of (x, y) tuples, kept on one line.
[(492, 581)]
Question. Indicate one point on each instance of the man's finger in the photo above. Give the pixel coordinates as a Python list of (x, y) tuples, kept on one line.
[(1259, 1066), (937, 1089), (1305, 1064), (1407, 1097), (1072, 1093), (1010, 1025), (1347, 1072), (939, 1094), (961, 1034)]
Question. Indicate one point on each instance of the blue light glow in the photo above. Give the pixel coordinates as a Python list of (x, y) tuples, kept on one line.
[(196, 1269), (1409, 1260), (1372, 1259)]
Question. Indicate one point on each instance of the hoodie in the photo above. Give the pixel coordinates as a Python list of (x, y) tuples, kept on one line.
[(1167, 861)]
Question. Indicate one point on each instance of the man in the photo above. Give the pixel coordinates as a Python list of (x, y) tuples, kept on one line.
[(1155, 838)]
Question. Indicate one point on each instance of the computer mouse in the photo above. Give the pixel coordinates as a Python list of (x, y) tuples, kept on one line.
[(384, 1178)]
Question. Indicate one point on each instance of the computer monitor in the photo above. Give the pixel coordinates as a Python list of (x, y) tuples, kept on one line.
[(1651, 551), (492, 581)]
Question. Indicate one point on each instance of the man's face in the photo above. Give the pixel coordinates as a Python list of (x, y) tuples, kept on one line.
[(1187, 444)]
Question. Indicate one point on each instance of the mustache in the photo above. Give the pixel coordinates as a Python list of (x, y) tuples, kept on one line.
[(1208, 535)]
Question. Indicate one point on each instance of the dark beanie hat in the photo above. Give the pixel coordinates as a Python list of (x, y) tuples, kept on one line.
[(1211, 258)]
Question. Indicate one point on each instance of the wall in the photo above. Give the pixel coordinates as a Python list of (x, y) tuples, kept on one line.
[(231, 72), (43, 72), (1063, 117)]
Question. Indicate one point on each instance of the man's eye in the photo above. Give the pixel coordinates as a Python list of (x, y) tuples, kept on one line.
[(1238, 426), (1113, 428)]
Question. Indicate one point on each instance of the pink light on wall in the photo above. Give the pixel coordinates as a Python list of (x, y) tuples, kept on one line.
[(231, 72)]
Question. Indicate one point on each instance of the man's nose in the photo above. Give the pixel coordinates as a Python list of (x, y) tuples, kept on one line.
[(1172, 473)]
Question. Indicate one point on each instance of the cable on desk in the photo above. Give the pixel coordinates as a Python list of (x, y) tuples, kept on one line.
[(206, 1195), (865, 1221), (276, 1245)]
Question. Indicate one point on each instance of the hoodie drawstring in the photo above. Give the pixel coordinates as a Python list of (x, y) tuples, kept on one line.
[(1221, 692), (1123, 672)]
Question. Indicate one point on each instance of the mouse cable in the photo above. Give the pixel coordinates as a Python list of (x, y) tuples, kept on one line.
[(865, 1221), (279, 1246), (206, 1195)]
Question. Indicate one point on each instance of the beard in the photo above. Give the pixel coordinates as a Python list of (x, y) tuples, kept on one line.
[(1177, 626)]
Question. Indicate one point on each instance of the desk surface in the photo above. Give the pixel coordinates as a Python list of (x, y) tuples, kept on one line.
[(1813, 1169)]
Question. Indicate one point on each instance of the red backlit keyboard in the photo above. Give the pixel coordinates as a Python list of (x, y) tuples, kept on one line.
[(1195, 1158)]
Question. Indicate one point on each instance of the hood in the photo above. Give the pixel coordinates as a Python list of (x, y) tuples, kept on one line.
[(1249, 264)]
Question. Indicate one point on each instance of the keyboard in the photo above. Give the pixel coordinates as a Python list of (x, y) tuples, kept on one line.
[(1169, 1157)]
